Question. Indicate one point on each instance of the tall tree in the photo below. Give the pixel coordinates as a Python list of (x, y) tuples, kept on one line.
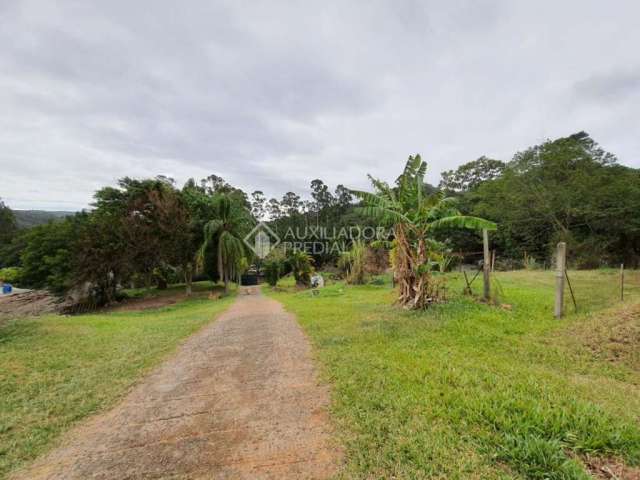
[(100, 260), (258, 205), (152, 220), (566, 189), (7, 223), (343, 197), (321, 195), (231, 223), (214, 185), (200, 207), (470, 175), (290, 204), (47, 259), (274, 209)]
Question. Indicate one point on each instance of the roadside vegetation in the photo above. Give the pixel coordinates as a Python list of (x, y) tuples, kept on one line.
[(152, 231), (445, 387), (470, 390), (57, 370)]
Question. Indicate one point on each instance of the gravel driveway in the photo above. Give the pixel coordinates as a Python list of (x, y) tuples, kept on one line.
[(239, 399)]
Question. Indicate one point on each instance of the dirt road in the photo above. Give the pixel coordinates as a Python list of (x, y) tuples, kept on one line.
[(240, 399)]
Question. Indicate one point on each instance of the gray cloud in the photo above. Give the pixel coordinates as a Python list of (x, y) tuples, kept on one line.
[(610, 86), (271, 95)]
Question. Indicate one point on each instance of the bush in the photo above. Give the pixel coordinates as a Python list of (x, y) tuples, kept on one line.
[(301, 265), (10, 275), (273, 269), (48, 257), (274, 266), (353, 263)]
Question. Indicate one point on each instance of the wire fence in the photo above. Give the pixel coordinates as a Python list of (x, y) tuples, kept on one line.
[(584, 290), (591, 290)]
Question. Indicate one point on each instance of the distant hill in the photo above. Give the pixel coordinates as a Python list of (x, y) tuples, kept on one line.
[(31, 218)]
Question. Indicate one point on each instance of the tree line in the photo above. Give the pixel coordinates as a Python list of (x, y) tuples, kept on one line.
[(139, 233), (568, 189), (152, 232)]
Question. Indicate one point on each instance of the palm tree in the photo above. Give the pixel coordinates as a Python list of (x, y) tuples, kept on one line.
[(301, 264), (225, 232), (414, 217)]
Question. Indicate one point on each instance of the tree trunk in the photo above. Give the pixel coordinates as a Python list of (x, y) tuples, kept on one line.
[(416, 286), (221, 275), (162, 283), (188, 278)]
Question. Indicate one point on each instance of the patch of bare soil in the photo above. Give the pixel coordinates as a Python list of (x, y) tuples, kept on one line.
[(240, 399), (611, 468), (613, 335), (34, 302), (139, 304)]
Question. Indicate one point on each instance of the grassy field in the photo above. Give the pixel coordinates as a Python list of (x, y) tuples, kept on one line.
[(467, 390), (593, 289), (56, 370)]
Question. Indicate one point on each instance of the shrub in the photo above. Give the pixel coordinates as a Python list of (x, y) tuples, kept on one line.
[(10, 275), (273, 269), (274, 266), (301, 265), (353, 263)]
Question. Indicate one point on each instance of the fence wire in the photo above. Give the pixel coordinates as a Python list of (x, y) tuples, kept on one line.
[(593, 290)]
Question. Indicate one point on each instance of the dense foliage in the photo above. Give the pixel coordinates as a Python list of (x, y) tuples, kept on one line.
[(274, 266), (149, 231), (140, 233), (568, 190), (48, 256), (301, 264), (7, 223), (10, 274), (352, 263), (225, 233)]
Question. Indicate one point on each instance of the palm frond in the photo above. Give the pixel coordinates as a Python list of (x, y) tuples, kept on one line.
[(231, 247), (462, 221), (445, 207), (223, 205), (211, 229), (383, 214), (421, 170), (371, 199), (382, 188)]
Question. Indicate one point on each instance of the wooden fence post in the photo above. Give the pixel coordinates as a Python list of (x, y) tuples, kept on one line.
[(486, 266), (622, 281), (561, 256)]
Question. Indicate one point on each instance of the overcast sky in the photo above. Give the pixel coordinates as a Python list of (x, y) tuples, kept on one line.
[(270, 95)]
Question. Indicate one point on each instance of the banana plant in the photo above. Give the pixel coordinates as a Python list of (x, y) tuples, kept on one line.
[(415, 217)]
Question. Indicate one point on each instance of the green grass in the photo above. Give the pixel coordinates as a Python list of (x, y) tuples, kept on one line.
[(57, 370), (467, 390), (593, 289), (153, 292)]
